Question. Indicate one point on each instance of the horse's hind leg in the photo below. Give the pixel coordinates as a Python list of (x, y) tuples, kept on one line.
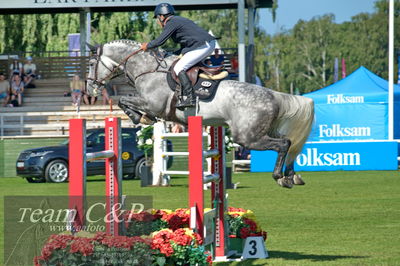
[(291, 174), (281, 146)]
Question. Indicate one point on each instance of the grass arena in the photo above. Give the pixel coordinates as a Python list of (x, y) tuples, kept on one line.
[(338, 218)]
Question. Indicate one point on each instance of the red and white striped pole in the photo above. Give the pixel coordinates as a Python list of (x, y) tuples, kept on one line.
[(113, 175), (218, 190), (77, 172), (196, 181)]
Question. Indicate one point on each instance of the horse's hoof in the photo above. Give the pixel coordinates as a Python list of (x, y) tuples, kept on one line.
[(297, 180), (146, 120), (285, 182)]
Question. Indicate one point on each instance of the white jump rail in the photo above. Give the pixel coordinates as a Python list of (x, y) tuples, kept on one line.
[(161, 176)]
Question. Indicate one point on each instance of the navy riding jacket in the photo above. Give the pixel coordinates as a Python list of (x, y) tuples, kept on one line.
[(182, 31)]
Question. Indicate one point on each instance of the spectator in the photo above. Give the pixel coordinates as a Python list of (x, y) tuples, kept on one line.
[(4, 89), (77, 86), (28, 82), (17, 90), (16, 68), (177, 128), (30, 71), (87, 99), (233, 72), (105, 96), (242, 154), (216, 58), (234, 64), (110, 89), (208, 62)]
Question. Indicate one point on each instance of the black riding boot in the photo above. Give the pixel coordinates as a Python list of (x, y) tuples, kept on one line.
[(186, 87)]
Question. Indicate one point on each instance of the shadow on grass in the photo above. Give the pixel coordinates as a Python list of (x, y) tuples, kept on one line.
[(302, 256), (285, 255)]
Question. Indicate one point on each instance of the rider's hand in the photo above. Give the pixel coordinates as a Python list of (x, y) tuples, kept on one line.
[(144, 46)]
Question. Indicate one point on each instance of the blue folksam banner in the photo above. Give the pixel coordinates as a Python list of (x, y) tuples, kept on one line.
[(354, 108), (333, 156)]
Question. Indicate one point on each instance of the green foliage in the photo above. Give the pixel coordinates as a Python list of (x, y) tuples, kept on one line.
[(304, 56), (188, 255), (145, 140)]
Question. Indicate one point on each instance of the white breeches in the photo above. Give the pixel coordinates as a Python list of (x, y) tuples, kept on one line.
[(193, 57)]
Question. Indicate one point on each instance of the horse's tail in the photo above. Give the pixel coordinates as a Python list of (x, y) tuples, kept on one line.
[(296, 117)]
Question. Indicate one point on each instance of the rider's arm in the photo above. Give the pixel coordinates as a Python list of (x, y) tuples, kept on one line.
[(169, 29)]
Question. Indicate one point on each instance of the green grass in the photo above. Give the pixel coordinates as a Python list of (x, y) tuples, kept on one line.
[(337, 218)]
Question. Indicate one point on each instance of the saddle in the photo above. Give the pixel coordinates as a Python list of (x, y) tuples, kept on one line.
[(200, 70)]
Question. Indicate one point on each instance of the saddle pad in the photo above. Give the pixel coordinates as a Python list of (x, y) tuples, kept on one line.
[(205, 89)]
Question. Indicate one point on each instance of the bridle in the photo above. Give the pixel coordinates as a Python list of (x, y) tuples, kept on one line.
[(112, 71), (112, 75)]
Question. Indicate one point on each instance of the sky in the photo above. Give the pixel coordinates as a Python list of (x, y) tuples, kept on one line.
[(290, 11)]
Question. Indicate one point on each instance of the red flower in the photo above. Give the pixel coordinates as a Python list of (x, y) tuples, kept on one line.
[(251, 223), (161, 241), (83, 246), (181, 238), (245, 232), (209, 260), (232, 209), (179, 219)]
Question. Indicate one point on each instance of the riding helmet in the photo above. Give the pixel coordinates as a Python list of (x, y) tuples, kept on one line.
[(164, 9)]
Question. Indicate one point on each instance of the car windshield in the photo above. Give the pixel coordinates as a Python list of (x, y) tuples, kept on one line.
[(88, 134)]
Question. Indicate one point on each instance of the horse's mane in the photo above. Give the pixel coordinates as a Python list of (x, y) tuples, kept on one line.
[(124, 41), (136, 44)]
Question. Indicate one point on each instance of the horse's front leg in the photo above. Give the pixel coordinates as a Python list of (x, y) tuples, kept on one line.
[(128, 105)]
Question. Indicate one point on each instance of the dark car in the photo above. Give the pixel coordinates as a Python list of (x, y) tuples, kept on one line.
[(51, 163)]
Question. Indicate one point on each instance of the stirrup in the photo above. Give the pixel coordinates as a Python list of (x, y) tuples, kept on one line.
[(185, 104)]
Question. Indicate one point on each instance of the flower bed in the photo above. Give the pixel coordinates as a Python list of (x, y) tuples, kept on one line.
[(157, 236), (100, 249)]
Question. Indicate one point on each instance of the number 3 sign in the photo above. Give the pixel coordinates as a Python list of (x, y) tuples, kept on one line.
[(254, 248)]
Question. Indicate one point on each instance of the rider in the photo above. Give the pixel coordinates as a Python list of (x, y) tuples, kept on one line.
[(196, 44)]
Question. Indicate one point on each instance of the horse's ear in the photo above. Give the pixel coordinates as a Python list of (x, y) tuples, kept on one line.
[(92, 48)]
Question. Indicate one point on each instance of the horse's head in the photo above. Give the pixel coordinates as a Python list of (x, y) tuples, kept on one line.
[(106, 62), (101, 68)]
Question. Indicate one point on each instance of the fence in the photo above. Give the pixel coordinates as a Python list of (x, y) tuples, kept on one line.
[(52, 66)]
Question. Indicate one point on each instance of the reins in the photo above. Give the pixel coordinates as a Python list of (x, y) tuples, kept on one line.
[(159, 61), (112, 71), (124, 62)]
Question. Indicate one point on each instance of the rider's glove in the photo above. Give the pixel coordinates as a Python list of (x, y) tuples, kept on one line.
[(144, 46)]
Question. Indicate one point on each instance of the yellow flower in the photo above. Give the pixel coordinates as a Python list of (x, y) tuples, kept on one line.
[(189, 232), (162, 230), (166, 211)]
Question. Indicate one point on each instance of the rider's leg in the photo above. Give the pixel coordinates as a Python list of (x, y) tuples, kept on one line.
[(188, 88), (188, 60)]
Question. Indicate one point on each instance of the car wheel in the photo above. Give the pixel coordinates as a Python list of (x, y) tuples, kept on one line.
[(35, 179), (139, 167), (56, 171)]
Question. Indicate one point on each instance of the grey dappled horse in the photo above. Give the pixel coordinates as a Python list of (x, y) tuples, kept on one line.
[(259, 118)]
